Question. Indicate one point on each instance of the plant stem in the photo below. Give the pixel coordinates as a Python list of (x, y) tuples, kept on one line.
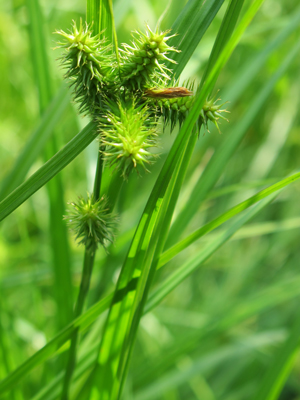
[(88, 264), (114, 189), (98, 175)]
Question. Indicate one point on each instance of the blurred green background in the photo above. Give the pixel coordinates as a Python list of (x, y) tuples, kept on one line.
[(264, 255)]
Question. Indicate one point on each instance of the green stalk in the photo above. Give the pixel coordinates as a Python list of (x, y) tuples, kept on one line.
[(98, 175), (89, 257), (97, 13)]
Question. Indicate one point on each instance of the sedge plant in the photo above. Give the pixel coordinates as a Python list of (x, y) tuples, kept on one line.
[(125, 97), (133, 95)]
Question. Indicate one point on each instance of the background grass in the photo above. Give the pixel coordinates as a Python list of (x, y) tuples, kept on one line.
[(235, 319)]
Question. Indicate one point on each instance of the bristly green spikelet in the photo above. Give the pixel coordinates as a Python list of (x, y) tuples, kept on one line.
[(211, 111), (92, 222), (88, 65), (143, 61), (128, 135), (175, 109)]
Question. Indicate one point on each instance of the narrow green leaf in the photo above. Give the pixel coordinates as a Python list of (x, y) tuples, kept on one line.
[(228, 24), (52, 167), (99, 13), (185, 270), (251, 69), (222, 155), (189, 28), (39, 53), (118, 337), (61, 260), (183, 244), (36, 142), (89, 316)]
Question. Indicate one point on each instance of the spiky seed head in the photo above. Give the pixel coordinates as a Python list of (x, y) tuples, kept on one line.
[(92, 222), (212, 111), (88, 64), (142, 62), (175, 109), (128, 135)]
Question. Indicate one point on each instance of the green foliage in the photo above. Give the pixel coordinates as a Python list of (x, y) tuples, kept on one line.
[(99, 84), (197, 297)]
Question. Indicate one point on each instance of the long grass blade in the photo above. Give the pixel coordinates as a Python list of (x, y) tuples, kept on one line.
[(61, 260), (183, 244), (52, 167), (262, 301), (225, 32), (118, 337), (222, 155), (189, 28), (36, 142), (89, 316)]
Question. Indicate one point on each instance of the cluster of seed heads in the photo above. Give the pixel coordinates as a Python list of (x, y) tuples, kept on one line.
[(127, 93), (126, 96)]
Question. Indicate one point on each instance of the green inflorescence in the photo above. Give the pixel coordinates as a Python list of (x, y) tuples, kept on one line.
[(127, 136), (92, 222), (142, 62), (176, 109), (127, 96), (88, 63)]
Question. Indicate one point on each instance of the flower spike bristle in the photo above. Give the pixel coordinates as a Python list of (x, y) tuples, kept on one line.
[(142, 62), (128, 135), (88, 62)]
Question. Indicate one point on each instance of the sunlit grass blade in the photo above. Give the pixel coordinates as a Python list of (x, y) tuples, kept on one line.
[(185, 270), (52, 167), (89, 316), (118, 337), (36, 142), (61, 261), (183, 244), (222, 155), (189, 28), (244, 309), (228, 24), (268, 227), (249, 72), (99, 13)]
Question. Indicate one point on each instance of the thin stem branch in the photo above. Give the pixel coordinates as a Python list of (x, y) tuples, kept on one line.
[(88, 264), (98, 175), (87, 270)]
